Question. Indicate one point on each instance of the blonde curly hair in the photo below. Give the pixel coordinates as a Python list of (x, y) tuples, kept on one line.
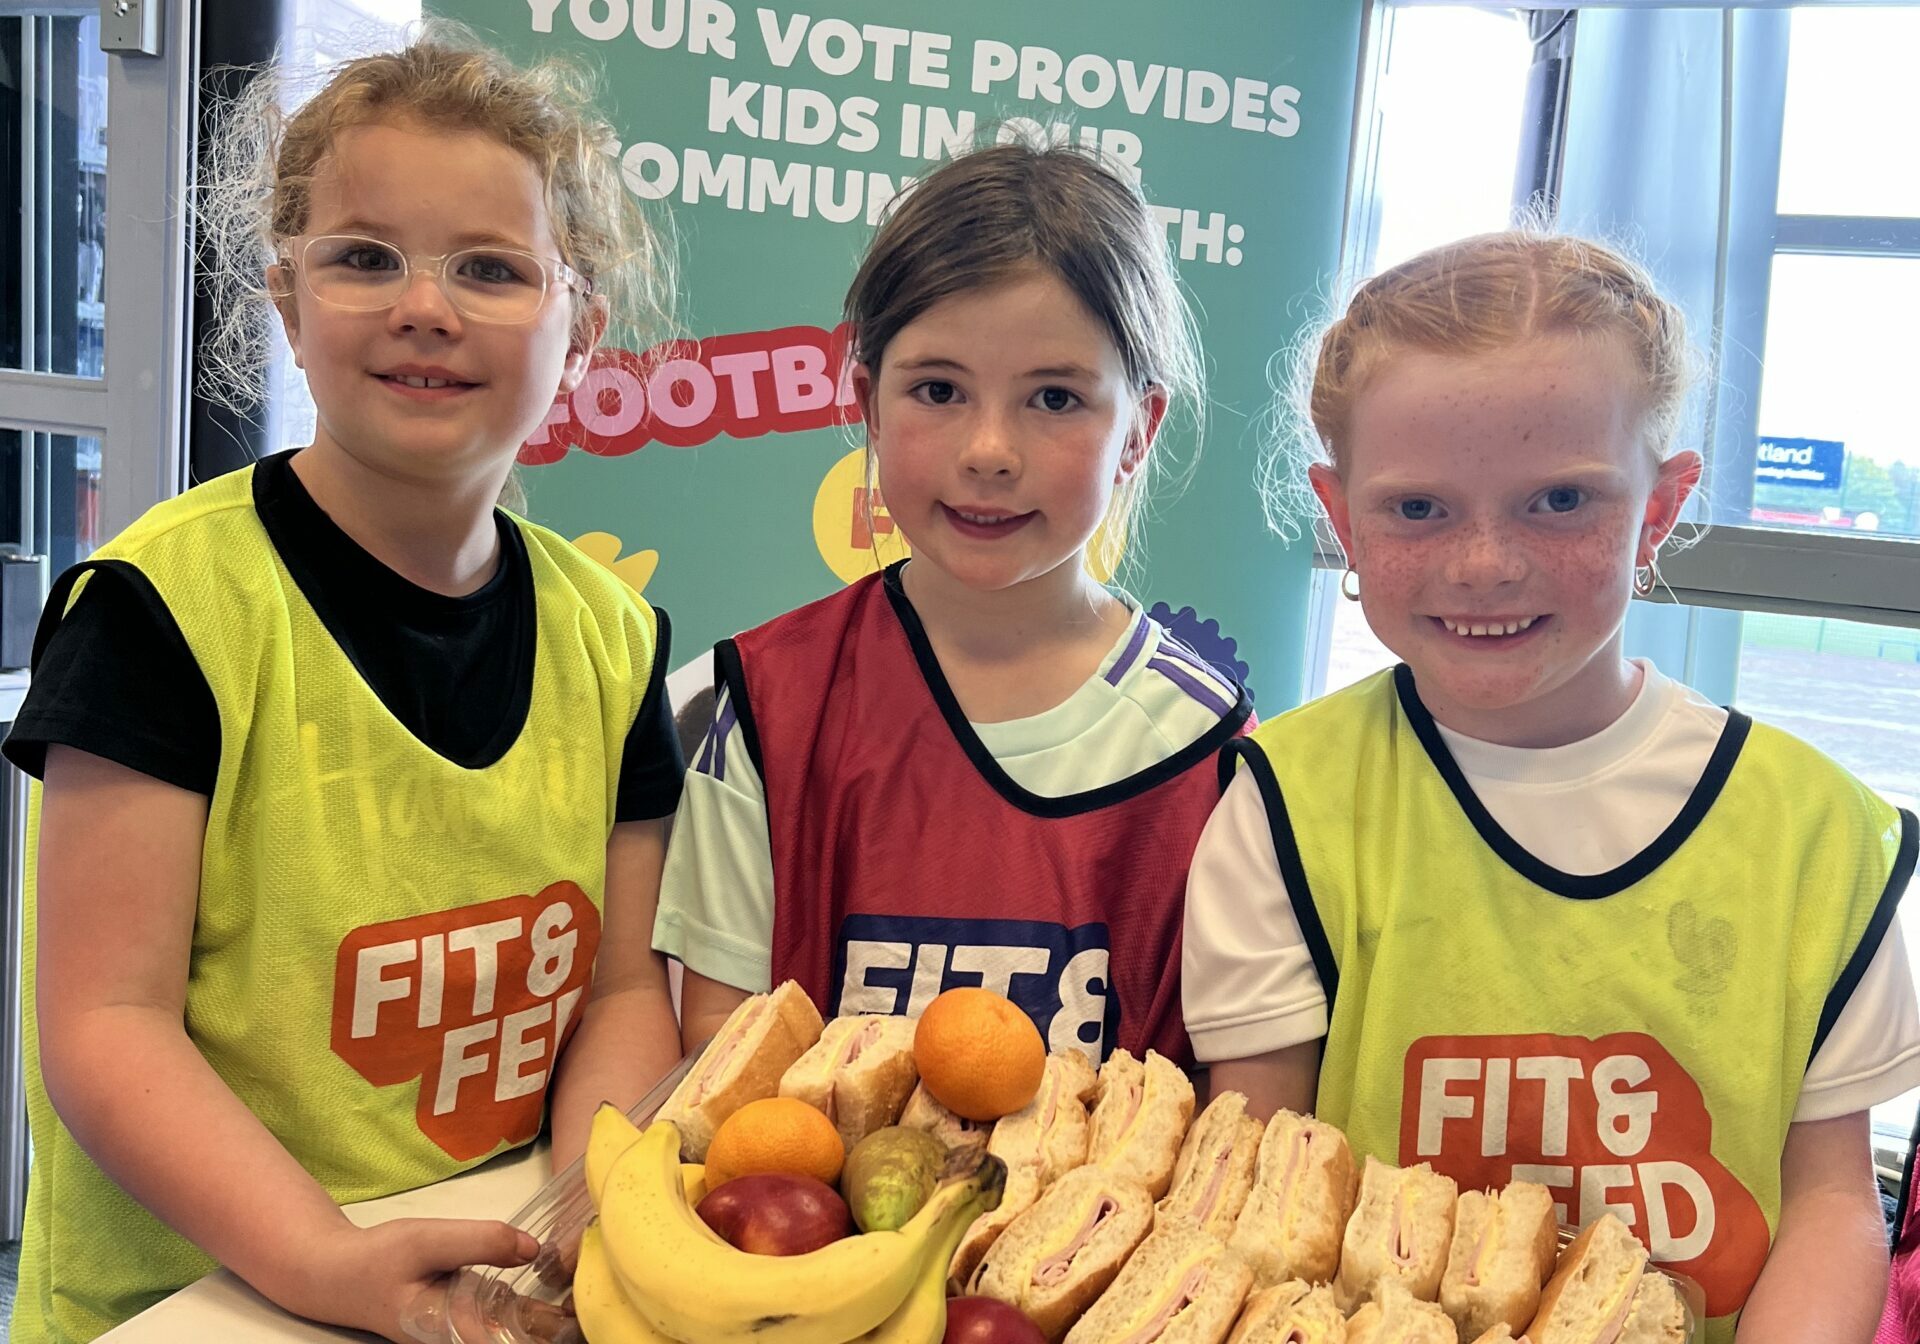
[(259, 165)]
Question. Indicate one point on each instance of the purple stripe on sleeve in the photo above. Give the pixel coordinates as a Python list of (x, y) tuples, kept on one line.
[(1180, 675), (722, 726), (1124, 663), (1173, 648), (703, 763)]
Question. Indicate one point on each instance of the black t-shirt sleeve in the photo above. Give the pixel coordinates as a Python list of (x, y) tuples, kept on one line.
[(651, 766), (114, 677)]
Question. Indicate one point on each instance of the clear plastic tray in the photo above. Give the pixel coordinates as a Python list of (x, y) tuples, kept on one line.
[(528, 1305)]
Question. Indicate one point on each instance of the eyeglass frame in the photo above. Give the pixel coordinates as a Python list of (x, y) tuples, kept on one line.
[(551, 269)]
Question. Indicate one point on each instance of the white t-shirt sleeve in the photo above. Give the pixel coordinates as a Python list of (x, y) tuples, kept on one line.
[(1873, 1052), (716, 892), (1247, 980)]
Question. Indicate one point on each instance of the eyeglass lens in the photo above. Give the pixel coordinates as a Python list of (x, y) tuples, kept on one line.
[(489, 284)]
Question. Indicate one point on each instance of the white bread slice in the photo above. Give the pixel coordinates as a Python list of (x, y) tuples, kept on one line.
[(1501, 1334), (1294, 1312), (1141, 1119), (1402, 1229), (1068, 1129), (1395, 1316), (1214, 1173), (1055, 1258), (1303, 1194), (743, 1062), (1658, 1315), (1503, 1250), (1180, 1287), (1593, 1288), (1040, 1142), (858, 1074), (923, 1112)]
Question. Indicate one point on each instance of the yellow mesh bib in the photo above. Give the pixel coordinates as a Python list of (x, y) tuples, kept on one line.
[(389, 948), (1635, 1040)]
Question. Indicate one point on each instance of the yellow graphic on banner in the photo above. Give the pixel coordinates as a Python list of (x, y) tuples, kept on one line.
[(851, 526), (604, 549)]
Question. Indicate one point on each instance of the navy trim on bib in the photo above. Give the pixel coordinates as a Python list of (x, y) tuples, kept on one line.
[(1876, 932), (1035, 804), (1293, 872), (1575, 886), (731, 674)]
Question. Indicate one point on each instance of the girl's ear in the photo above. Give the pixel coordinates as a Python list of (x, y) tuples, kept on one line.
[(280, 290), (584, 339), (1148, 416), (1676, 481), (1332, 493), (864, 379)]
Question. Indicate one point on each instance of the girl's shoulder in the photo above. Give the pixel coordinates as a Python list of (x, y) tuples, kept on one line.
[(192, 518)]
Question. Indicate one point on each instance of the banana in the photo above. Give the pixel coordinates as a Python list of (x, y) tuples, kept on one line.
[(922, 1318), (694, 1177), (612, 1134), (605, 1315), (687, 1287)]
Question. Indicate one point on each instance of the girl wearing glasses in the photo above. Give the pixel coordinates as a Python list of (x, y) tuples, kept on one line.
[(355, 785)]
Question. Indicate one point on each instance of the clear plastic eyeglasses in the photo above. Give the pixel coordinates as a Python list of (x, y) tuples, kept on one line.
[(486, 284)]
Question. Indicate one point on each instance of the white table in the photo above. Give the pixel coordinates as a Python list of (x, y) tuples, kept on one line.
[(221, 1307)]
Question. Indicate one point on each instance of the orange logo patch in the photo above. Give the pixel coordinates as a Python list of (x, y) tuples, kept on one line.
[(475, 1003), (1613, 1124)]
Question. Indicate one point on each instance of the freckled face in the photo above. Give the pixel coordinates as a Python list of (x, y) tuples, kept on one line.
[(1494, 506)]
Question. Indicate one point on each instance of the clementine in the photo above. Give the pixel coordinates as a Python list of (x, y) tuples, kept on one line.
[(978, 1053), (775, 1134)]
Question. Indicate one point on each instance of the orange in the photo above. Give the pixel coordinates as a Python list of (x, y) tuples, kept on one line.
[(978, 1054), (775, 1134)]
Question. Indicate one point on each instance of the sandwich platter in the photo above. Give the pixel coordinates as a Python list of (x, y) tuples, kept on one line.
[(1102, 1211)]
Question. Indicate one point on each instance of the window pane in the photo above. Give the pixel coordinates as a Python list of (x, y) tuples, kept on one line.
[(49, 496), (1445, 176), (1838, 448), (1852, 113), (53, 194)]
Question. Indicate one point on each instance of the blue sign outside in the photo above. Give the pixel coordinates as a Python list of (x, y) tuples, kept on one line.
[(1814, 464)]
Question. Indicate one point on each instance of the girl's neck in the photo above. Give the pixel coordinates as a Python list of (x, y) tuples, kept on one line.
[(1019, 651), (439, 535), (1064, 605)]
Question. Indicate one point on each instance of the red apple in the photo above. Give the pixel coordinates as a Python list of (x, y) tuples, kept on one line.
[(985, 1320), (776, 1214)]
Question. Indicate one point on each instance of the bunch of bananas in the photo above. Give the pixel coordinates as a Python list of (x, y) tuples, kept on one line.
[(651, 1272)]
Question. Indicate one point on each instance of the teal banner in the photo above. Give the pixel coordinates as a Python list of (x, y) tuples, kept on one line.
[(720, 475)]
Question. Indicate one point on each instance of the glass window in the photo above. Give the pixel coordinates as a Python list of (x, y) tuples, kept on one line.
[(49, 496), (1852, 112), (1450, 107), (53, 231), (1838, 446)]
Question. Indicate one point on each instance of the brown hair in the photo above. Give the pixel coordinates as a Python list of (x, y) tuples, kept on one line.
[(1475, 295), (985, 216), (261, 162)]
